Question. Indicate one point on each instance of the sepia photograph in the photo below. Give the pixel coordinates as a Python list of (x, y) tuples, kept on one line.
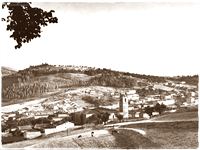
[(100, 75)]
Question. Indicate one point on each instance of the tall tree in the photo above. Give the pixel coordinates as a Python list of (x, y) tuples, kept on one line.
[(26, 21)]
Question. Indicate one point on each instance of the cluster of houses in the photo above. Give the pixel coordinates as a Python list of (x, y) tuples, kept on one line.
[(32, 127), (62, 107), (131, 102)]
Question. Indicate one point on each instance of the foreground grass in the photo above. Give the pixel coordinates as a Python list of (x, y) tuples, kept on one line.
[(174, 138), (170, 135), (181, 116)]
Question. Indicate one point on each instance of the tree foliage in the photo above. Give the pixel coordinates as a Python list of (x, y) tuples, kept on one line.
[(149, 110), (26, 21), (105, 117), (160, 108), (120, 117)]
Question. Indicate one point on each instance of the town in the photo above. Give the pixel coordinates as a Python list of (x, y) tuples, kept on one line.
[(65, 111), (74, 109)]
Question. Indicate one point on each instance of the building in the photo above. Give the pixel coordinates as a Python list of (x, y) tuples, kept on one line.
[(79, 118), (123, 106), (62, 127), (31, 134), (132, 95), (112, 117)]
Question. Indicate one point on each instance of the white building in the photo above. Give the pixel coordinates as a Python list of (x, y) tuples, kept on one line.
[(168, 102), (59, 128), (132, 95), (31, 134), (112, 117), (123, 106)]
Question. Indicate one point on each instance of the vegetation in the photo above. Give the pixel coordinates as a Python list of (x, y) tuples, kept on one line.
[(179, 116), (7, 71), (27, 90), (158, 108), (193, 80), (149, 110), (99, 118), (99, 101), (40, 79), (26, 21), (169, 135), (119, 117)]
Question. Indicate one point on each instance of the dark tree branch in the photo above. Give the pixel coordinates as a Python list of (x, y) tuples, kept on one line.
[(25, 21)]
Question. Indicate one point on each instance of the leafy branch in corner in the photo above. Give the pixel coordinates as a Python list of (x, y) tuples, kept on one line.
[(25, 21)]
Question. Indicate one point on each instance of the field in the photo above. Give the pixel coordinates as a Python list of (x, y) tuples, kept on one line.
[(177, 131), (192, 116)]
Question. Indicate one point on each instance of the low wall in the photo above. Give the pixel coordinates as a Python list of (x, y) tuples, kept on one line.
[(32, 135)]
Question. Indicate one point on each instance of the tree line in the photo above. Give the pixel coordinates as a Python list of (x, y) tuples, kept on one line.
[(27, 90)]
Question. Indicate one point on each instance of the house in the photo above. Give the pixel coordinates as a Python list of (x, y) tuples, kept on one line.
[(63, 115), (12, 115), (168, 102), (65, 126), (79, 118), (92, 92), (155, 113), (168, 97), (116, 96), (58, 128), (56, 119), (40, 126), (31, 134), (131, 95), (88, 115), (25, 127), (137, 115), (40, 116), (112, 117), (183, 82), (146, 116)]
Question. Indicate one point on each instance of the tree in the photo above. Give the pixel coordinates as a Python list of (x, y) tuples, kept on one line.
[(149, 110), (120, 117), (26, 21), (105, 117), (158, 108), (163, 107), (11, 123)]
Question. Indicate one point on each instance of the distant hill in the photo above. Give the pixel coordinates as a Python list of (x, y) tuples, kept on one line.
[(5, 71), (40, 79)]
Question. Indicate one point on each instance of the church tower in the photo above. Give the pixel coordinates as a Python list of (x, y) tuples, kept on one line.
[(123, 106)]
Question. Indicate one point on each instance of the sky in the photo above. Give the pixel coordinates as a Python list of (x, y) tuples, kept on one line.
[(146, 38)]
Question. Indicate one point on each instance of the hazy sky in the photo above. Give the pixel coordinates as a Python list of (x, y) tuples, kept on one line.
[(147, 38)]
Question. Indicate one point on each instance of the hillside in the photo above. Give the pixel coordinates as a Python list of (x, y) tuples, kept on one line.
[(5, 71), (171, 131), (42, 79)]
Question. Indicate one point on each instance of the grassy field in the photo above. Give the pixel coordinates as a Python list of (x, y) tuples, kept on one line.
[(181, 116), (181, 133), (174, 138), (104, 140)]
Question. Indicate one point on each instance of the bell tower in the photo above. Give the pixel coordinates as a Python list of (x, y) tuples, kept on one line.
[(123, 105)]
